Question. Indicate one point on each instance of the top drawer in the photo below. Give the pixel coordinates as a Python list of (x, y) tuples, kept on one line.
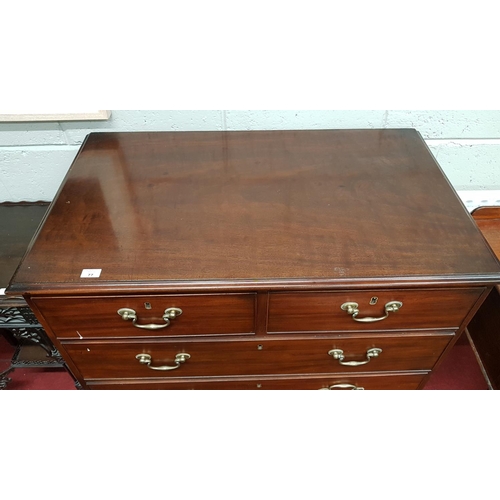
[(98, 317), (322, 311)]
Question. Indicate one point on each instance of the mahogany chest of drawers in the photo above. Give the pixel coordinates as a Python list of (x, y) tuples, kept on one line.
[(329, 259)]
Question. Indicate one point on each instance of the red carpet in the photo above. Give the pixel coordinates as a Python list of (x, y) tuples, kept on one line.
[(459, 371), (38, 378)]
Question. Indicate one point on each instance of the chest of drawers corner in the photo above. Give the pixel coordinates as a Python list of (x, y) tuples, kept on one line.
[(256, 260)]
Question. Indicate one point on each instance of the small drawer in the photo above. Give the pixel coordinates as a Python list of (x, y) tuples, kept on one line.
[(204, 358), (327, 311), (400, 381), (98, 317)]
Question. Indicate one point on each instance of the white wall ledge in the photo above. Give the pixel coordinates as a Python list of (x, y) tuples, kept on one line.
[(479, 198)]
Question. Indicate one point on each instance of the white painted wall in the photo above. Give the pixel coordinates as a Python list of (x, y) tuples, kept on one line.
[(34, 157)]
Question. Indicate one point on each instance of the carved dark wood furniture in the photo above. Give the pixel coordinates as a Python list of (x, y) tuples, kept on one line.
[(484, 329), (328, 259), (18, 324)]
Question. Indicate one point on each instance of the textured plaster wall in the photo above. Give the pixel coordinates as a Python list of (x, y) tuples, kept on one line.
[(34, 157)]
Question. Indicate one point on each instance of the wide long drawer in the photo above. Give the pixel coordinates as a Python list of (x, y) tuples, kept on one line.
[(376, 310), (204, 358), (98, 317), (399, 381)]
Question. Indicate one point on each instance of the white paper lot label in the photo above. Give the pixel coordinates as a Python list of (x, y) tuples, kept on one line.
[(91, 273)]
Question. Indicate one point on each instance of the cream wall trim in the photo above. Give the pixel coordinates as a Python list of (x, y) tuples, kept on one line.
[(462, 142), (480, 198), (56, 117)]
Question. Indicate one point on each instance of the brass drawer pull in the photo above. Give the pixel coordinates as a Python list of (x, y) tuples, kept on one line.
[(352, 308), (339, 354), (145, 359), (343, 386), (170, 313)]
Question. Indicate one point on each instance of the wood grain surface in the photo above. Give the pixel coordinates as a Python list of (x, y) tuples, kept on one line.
[(258, 207)]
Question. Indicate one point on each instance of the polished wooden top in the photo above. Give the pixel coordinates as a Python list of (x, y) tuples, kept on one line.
[(488, 221), (255, 209)]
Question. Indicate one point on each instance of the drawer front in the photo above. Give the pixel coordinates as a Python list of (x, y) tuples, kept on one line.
[(352, 382), (321, 311), (242, 357), (97, 317)]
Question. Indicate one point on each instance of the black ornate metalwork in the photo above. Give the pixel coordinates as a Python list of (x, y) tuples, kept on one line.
[(4, 380), (34, 336), (53, 361), (23, 326), (17, 316), (37, 337)]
